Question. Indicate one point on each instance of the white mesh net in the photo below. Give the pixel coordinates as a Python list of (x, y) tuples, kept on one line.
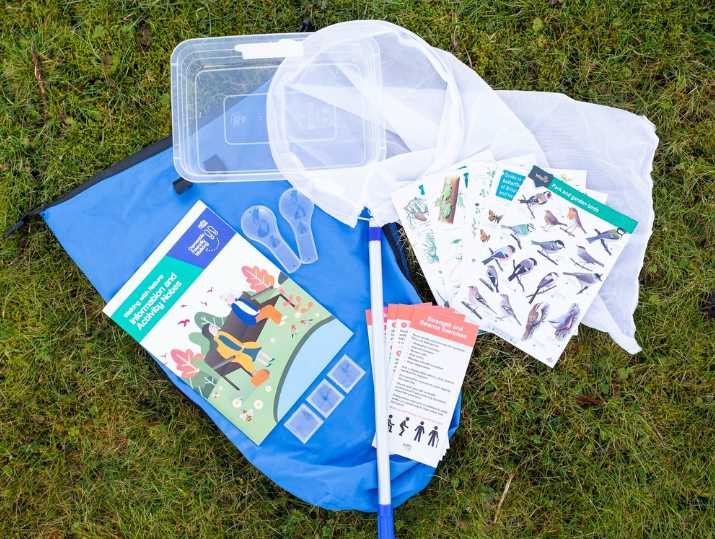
[(389, 96)]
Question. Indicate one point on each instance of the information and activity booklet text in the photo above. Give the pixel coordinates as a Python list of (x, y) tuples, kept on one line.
[(228, 322)]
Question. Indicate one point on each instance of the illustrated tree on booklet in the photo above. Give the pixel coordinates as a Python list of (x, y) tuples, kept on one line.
[(193, 369)]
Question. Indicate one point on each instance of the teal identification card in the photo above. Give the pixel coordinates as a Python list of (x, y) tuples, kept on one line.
[(510, 182)]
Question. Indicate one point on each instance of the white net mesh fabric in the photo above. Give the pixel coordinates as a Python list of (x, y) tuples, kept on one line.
[(617, 149), (423, 107)]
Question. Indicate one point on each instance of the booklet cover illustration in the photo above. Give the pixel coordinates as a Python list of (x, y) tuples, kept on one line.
[(228, 322)]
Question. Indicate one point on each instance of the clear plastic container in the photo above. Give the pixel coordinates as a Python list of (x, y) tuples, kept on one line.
[(219, 117)]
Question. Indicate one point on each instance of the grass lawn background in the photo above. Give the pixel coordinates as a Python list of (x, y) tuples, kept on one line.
[(94, 441)]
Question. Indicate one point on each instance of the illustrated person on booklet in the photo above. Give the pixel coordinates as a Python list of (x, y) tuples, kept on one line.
[(433, 437), (419, 431), (249, 313), (232, 349)]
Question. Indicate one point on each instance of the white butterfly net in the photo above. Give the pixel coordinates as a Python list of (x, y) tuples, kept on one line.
[(384, 107), (396, 106)]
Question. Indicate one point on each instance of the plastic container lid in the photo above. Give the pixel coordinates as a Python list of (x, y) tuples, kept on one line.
[(219, 118)]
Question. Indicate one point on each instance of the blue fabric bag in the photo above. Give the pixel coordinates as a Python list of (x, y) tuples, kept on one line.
[(111, 224)]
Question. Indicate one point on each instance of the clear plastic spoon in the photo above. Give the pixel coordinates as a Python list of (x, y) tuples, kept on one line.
[(297, 209), (259, 224)]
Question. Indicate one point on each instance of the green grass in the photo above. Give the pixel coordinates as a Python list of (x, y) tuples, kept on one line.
[(95, 442)]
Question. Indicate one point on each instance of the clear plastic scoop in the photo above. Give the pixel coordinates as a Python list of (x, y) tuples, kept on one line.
[(259, 224), (297, 209)]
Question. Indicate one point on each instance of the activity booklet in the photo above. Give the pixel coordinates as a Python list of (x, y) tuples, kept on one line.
[(546, 250), (228, 322)]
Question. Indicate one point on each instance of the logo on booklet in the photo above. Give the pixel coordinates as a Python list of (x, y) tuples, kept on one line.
[(207, 240)]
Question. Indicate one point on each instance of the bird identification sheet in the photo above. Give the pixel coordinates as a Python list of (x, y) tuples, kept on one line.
[(427, 378), (550, 247), (481, 181)]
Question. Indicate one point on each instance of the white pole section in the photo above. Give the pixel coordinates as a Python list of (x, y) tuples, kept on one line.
[(385, 524)]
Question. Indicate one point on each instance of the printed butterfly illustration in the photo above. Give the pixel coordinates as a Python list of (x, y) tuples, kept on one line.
[(483, 235), (494, 218)]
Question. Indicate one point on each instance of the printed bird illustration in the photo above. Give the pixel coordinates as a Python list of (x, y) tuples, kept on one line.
[(537, 315), (519, 230), (492, 274), (574, 220), (539, 199), (506, 308), (551, 246), (614, 234), (475, 297), (184, 323), (500, 255), (471, 309), (521, 269), (494, 218), (488, 285), (417, 209), (547, 282), (210, 290), (585, 256), (563, 324), (585, 279), (483, 235), (551, 220)]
